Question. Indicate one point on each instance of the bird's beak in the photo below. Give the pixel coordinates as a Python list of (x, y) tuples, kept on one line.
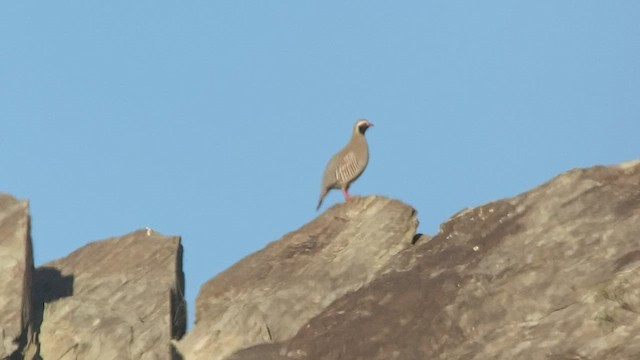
[(369, 123)]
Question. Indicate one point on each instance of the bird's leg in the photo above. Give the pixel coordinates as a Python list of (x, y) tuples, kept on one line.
[(345, 192)]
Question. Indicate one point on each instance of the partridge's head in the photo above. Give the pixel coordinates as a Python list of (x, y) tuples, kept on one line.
[(362, 125)]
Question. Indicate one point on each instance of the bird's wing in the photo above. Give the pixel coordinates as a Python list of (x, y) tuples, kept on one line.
[(349, 168)]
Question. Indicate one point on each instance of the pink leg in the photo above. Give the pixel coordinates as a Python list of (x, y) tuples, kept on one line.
[(345, 192)]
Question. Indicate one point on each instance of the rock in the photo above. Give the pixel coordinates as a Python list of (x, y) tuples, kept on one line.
[(120, 298), (16, 273), (269, 295), (553, 273)]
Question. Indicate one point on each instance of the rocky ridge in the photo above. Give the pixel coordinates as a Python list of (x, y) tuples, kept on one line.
[(552, 273)]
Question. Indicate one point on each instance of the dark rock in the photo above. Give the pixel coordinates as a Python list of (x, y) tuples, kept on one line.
[(553, 273), (120, 298), (16, 273), (269, 295)]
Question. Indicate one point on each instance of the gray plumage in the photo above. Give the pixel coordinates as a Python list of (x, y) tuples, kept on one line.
[(348, 164)]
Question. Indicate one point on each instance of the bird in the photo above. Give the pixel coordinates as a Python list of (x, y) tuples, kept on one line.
[(348, 164)]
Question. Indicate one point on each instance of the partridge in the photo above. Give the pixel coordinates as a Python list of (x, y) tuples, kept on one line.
[(348, 164)]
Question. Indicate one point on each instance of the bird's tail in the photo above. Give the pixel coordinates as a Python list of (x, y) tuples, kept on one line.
[(322, 195)]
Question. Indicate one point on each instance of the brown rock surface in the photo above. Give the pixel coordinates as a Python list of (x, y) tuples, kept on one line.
[(16, 273), (119, 298), (269, 295), (553, 273)]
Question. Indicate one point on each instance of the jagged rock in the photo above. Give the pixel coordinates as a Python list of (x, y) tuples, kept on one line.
[(16, 273), (270, 294), (120, 298), (553, 273)]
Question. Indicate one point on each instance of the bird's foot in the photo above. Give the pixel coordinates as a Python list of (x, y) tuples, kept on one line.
[(346, 194)]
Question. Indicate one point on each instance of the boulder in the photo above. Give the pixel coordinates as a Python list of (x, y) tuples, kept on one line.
[(119, 298), (269, 295)]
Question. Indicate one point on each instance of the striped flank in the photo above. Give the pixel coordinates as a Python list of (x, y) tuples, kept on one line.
[(349, 168)]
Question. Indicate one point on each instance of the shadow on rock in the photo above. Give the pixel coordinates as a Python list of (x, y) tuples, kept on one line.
[(50, 285)]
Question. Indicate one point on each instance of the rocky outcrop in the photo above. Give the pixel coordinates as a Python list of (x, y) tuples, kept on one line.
[(553, 273), (120, 298), (268, 296), (16, 273)]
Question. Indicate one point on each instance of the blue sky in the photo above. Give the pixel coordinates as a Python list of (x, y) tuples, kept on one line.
[(214, 120)]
